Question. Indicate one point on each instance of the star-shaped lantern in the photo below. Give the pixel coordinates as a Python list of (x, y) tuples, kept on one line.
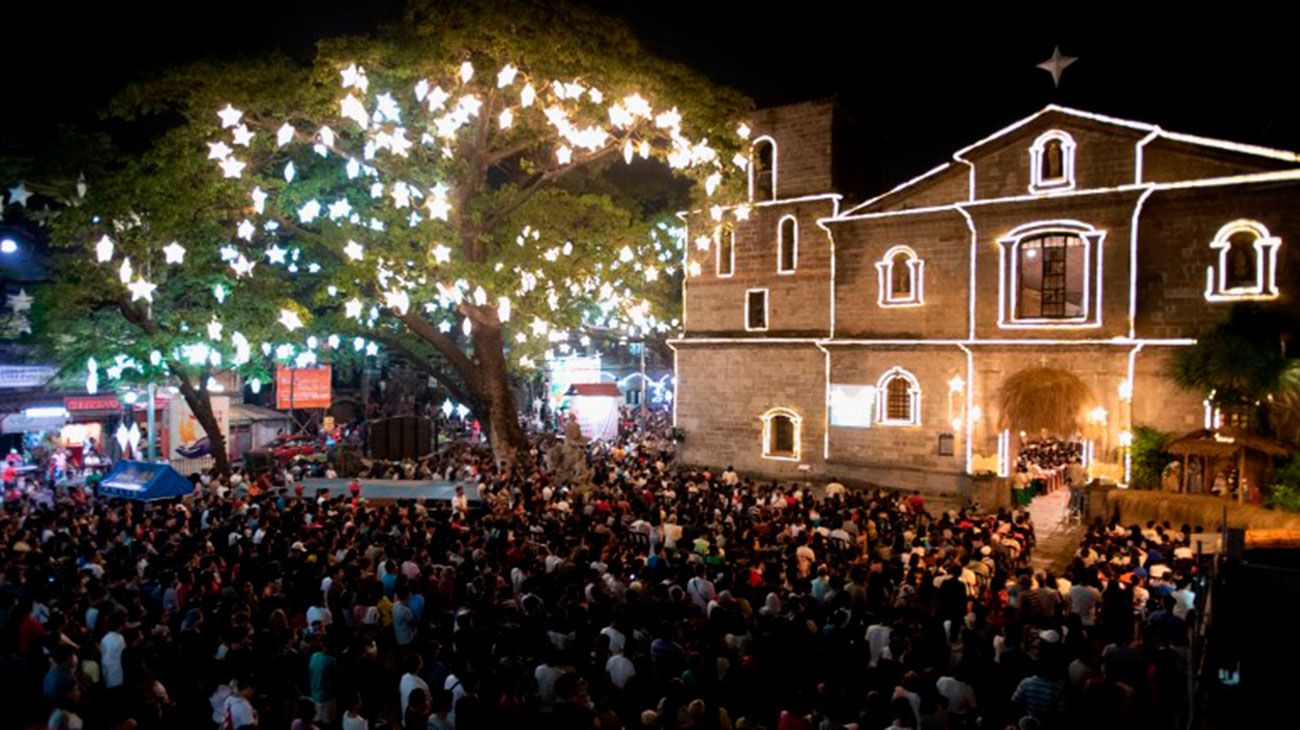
[(1056, 65)]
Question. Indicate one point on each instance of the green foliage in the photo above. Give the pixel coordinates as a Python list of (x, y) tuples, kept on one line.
[(1286, 489), (581, 249), (1239, 360), (1148, 456)]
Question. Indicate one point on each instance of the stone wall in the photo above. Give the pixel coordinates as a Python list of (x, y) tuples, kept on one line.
[(941, 239), (902, 456), (1105, 156), (1176, 228), (798, 303), (1110, 213), (803, 134), (724, 390)]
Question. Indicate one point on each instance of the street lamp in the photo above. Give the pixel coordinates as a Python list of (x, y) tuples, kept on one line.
[(8, 246)]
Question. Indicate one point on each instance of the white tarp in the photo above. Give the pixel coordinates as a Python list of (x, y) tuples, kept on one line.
[(851, 405), (597, 415)]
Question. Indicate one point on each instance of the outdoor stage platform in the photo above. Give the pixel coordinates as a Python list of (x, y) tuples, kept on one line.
[(393, 489)]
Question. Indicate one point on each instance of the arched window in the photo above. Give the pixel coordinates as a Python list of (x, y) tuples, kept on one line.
[(1246, 265), (787, 245), (726, 261), (781, 427), (1051, 162), (1051, 275), (762, 166), (901, 277), (898, 398)]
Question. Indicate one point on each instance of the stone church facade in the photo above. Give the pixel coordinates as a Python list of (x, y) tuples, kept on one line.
[(869, 341)]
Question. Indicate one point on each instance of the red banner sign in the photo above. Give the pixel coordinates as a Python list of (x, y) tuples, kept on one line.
[(92, 403), (302, 387)]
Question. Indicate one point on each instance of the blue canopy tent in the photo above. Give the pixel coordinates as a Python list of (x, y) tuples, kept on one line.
[(145, 482)]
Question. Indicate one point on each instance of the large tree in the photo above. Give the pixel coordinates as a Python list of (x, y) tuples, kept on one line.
[(142, 291), (148, 284), (453, 181)]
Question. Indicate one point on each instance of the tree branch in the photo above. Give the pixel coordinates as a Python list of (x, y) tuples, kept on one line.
[(424, 329), (530, 188)]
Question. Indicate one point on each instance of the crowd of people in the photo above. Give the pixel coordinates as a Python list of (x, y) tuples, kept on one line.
[(651, 596)]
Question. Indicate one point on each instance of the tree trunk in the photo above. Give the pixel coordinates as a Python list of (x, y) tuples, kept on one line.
[(200, 402), (508, 441)]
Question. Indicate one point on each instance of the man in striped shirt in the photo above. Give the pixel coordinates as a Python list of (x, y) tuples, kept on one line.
[(1043, 697)]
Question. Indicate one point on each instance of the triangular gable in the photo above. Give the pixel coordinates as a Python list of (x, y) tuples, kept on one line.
[(947, 169)]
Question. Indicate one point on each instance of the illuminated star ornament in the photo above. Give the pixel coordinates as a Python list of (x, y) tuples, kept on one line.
[(20, 302), (290, 319), (104, 250), (19, 194), (229, 116), (174, 253), (141, 289), (1056, 65)]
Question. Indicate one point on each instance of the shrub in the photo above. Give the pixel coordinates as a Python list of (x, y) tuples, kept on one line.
[(1148, 456)]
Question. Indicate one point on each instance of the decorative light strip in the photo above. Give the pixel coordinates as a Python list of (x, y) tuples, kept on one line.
[(901, 186), (1278, 176), (974, 250), (1133, 253), (970, 408), (1004, 453), (781, 244), (849, 341), (1139, 155), (826, 408)]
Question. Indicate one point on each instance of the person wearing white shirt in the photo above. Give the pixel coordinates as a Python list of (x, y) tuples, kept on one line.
[(877, 641), (110, 652), (620, 669), (239, 712), (1184, 599), (319, 614), (411, 680), (616, 639), (960, 696)]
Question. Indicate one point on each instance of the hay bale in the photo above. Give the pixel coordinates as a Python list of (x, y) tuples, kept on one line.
[(1044, 399), (1195, 509)]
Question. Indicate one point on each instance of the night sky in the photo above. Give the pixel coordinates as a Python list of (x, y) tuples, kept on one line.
[(922, 82)]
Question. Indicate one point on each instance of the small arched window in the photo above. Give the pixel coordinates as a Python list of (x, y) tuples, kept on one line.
[(762, 165), (726, 262), (1051, 162), (898, 398), (787, 245), (1246, 264), (901, 278), (781, 428)]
